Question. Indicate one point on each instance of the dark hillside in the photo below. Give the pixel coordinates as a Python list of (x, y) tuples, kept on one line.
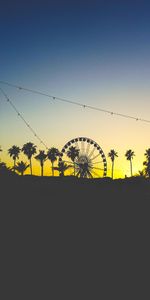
[(67, 232), (73, 189)]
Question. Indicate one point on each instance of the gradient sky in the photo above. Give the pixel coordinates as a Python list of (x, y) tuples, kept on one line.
[(95, 52)]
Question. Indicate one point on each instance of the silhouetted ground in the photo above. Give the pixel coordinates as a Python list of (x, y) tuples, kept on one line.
[(70, 188), (75, 236)]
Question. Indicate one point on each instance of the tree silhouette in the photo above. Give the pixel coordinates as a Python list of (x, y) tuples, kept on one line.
[(52, 155), (147, 162), (29, 149), (14, 153), (112, 154), (141, 173), (41, 157), (73, 153), (147, 154), (21, 167), (3, 168), (62, 167), (6, 171), (129, 156)]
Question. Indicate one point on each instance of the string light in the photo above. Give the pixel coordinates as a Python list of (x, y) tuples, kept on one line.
[(22, 118), (75, 102)]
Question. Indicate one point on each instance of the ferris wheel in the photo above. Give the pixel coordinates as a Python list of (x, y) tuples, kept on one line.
[(84, 158)]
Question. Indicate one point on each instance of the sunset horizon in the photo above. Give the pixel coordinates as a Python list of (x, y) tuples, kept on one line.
[(88, 53)]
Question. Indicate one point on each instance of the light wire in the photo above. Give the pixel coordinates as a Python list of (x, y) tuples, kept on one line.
[(22, 118), (75, 102)]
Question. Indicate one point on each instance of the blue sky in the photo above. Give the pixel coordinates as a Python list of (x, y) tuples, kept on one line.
[(59, 33), (93, 51)]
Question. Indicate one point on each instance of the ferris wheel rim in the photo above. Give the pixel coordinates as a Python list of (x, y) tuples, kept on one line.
[(84, 153)]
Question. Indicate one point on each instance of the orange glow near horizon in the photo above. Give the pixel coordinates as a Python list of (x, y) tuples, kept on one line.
[(121, 165), (58, 123)]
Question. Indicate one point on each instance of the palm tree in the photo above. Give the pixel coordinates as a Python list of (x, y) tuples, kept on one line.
[(147, 162), (112, 154), (62, 167), (147, 168), (21, 167), (41, 157), (73, 153), (29, 149), (52, 155), (3, 166), (14, 153), (141, 173), (129, 156), (4, 170), (147, 154)]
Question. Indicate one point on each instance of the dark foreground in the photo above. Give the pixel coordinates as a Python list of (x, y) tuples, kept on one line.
[(74, 189), (75, 237)]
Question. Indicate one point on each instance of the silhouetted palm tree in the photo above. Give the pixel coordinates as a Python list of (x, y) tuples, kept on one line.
[(3, 166), (147, 162), (52, 155), (147, 168), (29, 149), (21, 167), (147, 154), (62, 167), (14, 153), (112, 154), (129, 156), (141, 173), (4, 170), (73, 153), (41, 157)]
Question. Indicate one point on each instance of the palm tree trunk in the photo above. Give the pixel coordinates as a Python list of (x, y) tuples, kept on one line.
[(112, 171), (52, 168), (14, 164), (131, 167), (41, 169), (31, 166)]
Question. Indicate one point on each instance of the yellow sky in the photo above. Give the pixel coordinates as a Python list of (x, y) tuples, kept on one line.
[(57, 123)]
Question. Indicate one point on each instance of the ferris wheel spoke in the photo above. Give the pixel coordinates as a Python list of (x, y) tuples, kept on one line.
[(78, 173), (87, 149), (97, 175), (90, 174), (95, 156), (97, 162), (98, 168), (92, 152), (77, 145), (82, 148), (70, 162)]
